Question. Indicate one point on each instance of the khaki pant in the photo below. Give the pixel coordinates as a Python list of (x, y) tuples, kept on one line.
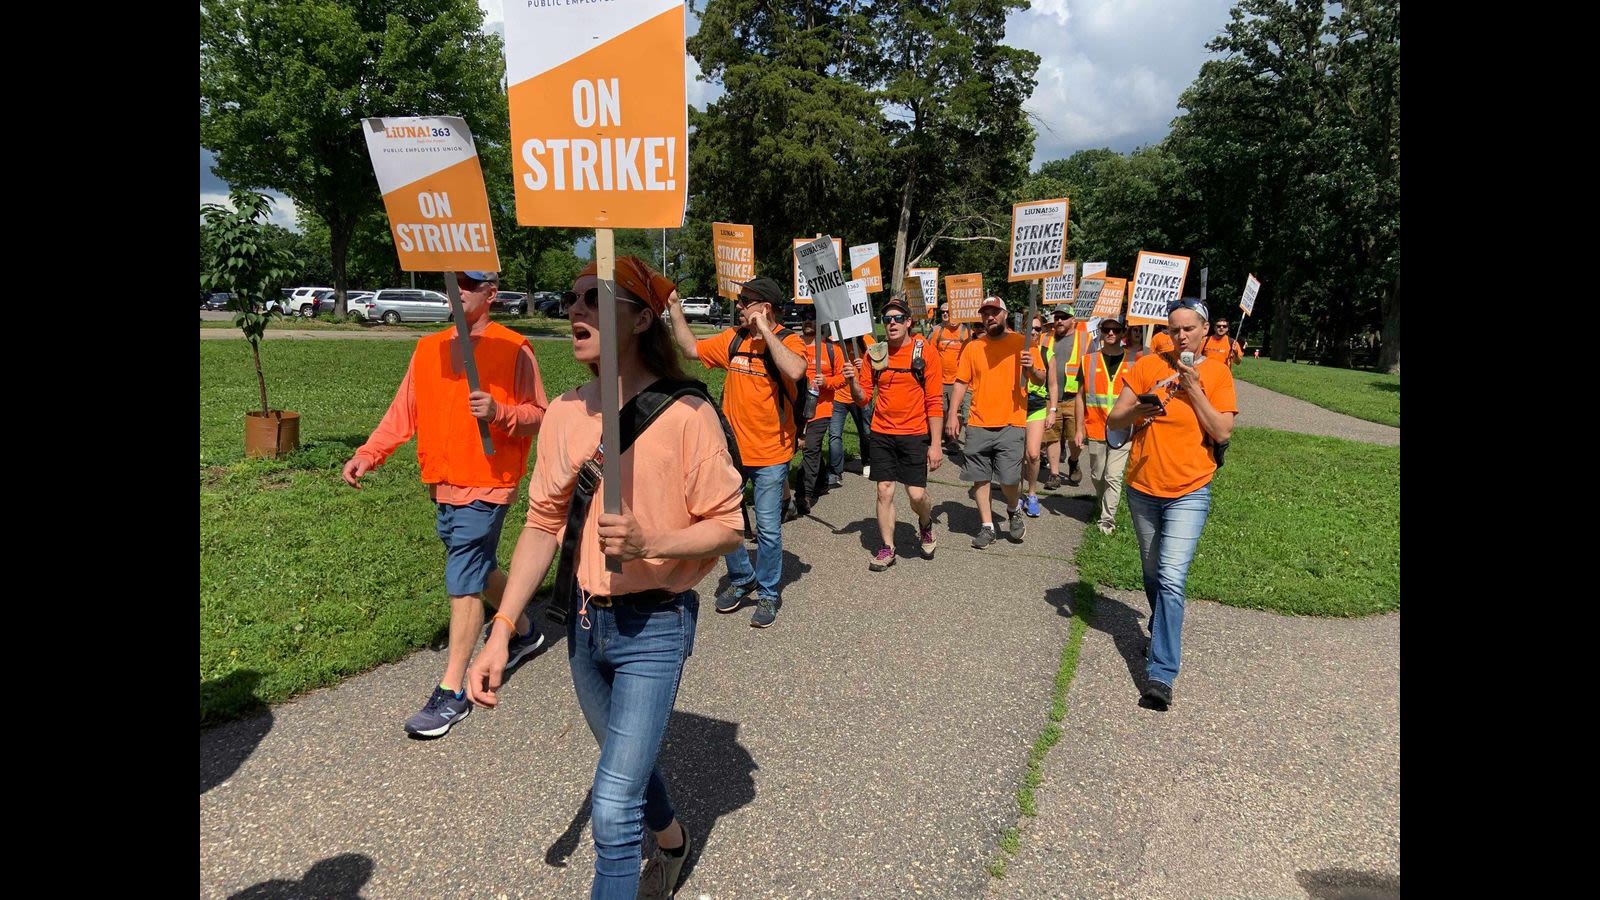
[(1105, 473)]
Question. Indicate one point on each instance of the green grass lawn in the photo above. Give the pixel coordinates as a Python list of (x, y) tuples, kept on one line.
[(303, 579), (1299, 524), (1365, 395)]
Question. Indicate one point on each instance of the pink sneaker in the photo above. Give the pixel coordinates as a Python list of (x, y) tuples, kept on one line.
[(928, 543), (881, 560)]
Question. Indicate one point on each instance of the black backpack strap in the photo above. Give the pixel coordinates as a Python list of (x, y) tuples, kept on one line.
[(635, 416)]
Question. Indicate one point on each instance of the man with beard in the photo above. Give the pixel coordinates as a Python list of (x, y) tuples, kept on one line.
[(992, 368), (765, 363)]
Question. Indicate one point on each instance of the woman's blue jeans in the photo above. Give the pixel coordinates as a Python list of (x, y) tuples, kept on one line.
[(1169, 531), (625, 670)]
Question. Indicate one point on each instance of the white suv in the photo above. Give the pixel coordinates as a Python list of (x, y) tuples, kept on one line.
[(304, 301), (696, 308)]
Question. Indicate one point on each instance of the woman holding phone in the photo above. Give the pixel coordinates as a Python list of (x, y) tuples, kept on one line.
[(1179, 405)]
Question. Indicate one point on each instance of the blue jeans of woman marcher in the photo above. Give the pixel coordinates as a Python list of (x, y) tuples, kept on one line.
[(1169, 531), (767, 573), (836, 434), (625, 670)]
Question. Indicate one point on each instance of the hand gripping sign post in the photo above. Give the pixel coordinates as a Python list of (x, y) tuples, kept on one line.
[(867, 266), (599, 139), (432, 188), (735, 250), (1038, 251)]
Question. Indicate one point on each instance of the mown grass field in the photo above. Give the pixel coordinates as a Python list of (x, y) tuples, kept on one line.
[(1365, 395)]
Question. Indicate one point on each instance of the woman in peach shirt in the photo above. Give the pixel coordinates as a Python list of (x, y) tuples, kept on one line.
[(629, 632)]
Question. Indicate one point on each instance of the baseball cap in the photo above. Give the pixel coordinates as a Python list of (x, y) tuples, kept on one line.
[(763, 289), (991, 300), (483, 276), (897, 302)]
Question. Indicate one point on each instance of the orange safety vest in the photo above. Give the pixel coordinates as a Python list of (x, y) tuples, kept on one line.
[(448, 447), (1098, 394)]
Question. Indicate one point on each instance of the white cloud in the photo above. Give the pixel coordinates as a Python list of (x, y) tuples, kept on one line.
[(1110, 71), (283, 213)]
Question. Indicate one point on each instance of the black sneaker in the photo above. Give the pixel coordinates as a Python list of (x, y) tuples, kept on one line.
[(733, 597), (1157, 696), (790, 512), (834, 481), (1053, 482), (985, 538), (522, 646), (1016, 525), (1074, 475), (766, 612)]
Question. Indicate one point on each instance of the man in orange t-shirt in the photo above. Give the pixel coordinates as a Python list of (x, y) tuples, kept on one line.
[(766, 364), (992, 367), (907, 412), (1160, 342), (470, 492), (1221, 346)]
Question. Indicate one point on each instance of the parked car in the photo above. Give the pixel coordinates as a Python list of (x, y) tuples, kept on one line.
[(395, 305), (359, 302), (547, 303), (513, 302), (217, 300), (306, 300), (697, 308)]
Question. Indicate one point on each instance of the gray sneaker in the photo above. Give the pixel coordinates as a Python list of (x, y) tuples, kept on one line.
[(985, 538), (661, 873), (522, 646), (1017, 525), (766, 612), (442, 712)]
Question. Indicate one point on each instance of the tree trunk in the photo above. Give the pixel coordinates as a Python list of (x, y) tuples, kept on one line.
[(1389, 354), (902, 230), (340, 230), (261, 380)]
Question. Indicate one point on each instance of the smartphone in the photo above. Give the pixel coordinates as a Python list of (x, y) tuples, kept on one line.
[(1151, 400)]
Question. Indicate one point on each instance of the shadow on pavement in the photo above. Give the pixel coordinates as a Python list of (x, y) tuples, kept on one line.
[(335, 878), (708, 774), (1348, 884), (1113, 617), (224, 749)]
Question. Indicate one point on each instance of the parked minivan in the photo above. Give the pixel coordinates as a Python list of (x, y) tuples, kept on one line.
[(395, 305)]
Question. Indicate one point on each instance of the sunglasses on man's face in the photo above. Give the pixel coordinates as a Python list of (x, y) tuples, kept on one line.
[(894, 318), (591, 299), (1110, 329)]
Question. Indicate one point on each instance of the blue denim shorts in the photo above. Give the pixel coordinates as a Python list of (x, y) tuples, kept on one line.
[(471, 536)]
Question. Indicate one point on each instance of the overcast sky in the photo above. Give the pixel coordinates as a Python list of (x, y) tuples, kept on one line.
[(1110, 73)]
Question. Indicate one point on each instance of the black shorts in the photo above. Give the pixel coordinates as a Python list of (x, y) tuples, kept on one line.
[(899, 457)]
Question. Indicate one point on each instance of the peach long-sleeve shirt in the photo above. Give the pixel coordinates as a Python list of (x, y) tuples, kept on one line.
[(521, 419)]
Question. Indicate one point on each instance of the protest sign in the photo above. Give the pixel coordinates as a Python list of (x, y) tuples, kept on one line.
[(735, 249), (1248, 301), (1091, 269), (432, 187), (928, 280), (1062, 288), (964, 294), (867, 265), (1038, 239), (802, 291), (599, 122), (1112, 292), (1157, 282), (859, 322), (819, 266)]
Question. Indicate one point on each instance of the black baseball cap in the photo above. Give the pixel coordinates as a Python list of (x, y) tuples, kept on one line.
[(763, 289)]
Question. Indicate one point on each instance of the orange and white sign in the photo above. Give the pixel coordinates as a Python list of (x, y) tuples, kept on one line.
[(432, 186), (866, 264), (1114, 291), (599, 119), (735, 249), (802, 291), (929, 279), (1157, 282), (1038, 239), (1091, 269), (965, 294)]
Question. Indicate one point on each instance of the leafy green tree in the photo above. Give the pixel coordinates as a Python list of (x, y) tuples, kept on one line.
[(247, 263)]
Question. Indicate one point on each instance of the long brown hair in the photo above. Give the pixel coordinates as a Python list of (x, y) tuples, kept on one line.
[(657, 351)]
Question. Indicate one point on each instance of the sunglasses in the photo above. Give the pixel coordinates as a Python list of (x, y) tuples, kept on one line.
[(1190, 304), (591, 299), (1111, 329), (894, 318)]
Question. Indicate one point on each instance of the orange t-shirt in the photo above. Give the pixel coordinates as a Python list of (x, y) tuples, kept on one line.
[(842, 395), (991, 368), (1167, 457), (765, 433), (832, 376), (678, 472), (950, 343), (902, 406), (1162, 342), (1221, 349)]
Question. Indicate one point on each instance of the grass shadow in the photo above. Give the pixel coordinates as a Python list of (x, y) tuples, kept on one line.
[(224, 749), (1385, 386), (335, 878)]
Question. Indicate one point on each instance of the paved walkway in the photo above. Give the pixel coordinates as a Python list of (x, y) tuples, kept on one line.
[(1261, 408)]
